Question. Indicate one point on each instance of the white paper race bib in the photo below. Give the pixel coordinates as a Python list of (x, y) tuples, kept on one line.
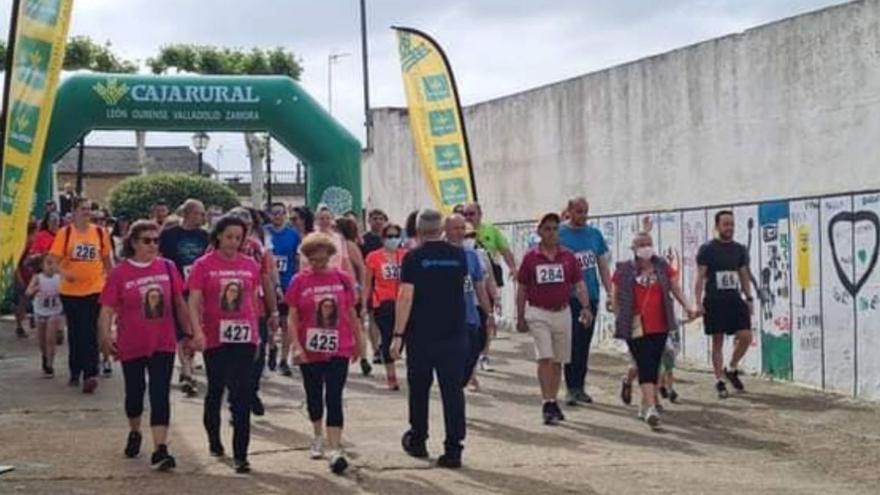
[(550, 274), (325, 340), (390, 271), (50, 302), (235, 331), (85, 252), (728, 280), (468, 285), (586, 260), (281, 263)]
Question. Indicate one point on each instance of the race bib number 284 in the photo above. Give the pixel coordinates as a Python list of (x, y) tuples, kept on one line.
[(550, 274)]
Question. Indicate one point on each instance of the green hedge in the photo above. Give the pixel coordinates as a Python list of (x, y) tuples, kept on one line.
[(135, 196)]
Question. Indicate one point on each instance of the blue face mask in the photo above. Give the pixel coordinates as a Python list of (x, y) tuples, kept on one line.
[(392, 243)]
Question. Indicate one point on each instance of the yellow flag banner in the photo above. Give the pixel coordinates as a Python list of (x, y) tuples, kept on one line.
[(435, 119), (40, 39)]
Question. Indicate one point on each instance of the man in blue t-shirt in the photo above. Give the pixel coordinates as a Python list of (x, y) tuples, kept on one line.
[(591, 252), (475, 294), (284, 241)]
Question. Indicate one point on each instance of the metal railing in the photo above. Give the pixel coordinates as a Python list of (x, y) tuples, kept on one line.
[(244, 177)]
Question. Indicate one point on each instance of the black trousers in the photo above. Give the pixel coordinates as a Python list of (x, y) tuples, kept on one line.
[(581, 340), (447, 358), (476, 344), (384, 317), (324, 383), (260, 363), (230, 366), (647, 352), (82, 334), (159, 367)]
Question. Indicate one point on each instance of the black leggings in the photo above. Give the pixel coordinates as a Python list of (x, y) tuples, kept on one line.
[(160, 367), (384, 318), (324, 383), (82, 334), (647, 352), (230, 366)]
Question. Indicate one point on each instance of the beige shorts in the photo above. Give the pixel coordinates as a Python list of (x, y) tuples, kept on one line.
[(551, 331)]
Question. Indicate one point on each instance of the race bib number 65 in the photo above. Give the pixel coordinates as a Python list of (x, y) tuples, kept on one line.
[(235, 331), (727, 280), (550, 274), (324, 340)]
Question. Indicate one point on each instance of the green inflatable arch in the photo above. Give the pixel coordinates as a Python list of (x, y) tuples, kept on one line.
[(274, 104)]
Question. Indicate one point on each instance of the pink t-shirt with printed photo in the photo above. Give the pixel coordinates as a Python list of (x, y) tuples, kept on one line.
[(229, 289), (142, 297), (323, 302)]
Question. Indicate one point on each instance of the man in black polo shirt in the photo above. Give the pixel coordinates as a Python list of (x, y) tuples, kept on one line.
[(431, 315)]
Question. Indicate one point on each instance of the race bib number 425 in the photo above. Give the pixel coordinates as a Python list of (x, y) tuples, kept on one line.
[(235, 331), (324, 340), (85, 252), (550, 274), (728, 280)]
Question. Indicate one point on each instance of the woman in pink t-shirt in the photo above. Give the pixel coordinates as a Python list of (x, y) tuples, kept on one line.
[(223, 299), (145, 294), (326, 334)]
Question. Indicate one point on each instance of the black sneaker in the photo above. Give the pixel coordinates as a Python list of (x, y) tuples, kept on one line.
[(558, 411), (377, 357), (722, 390), (733, 377), (242, 466), (181, 378), (133, 446), (673, 395), (449, 461), (216, 448), (549, 414), (366, 367), (284, 369), (338, 463), (189, 388), (49, 371), (59, 339), (73, 382), (412, 447), (20, 333), (664, 392), (162, 460), (626, 392), (107, 369), (257, 407), (272, 362)]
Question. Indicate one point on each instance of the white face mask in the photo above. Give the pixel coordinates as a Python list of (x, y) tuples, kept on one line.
[(470, 243), (645, 252), (392, 243)]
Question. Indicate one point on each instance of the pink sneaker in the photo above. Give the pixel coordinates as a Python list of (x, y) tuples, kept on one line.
[(89, 385)]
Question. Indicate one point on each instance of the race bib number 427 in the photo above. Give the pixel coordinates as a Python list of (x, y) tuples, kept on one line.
[(727, 280), (550, 274), (324, 340), (235, 331)]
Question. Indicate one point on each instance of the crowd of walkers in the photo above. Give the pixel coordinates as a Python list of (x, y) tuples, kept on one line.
[(289, 288)]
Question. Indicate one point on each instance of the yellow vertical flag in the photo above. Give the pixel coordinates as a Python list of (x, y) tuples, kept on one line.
[(438, 130), (36, 67)]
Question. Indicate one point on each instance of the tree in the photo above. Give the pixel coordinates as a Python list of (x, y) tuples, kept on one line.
[(212, 60), (135, 196)]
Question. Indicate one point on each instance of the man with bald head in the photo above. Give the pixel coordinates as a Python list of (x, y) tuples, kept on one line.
[(591, 251), (431, 317)]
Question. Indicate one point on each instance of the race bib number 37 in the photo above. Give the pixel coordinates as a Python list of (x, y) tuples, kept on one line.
[(235, 331), (728, 280), (550, 274), (325, 340)]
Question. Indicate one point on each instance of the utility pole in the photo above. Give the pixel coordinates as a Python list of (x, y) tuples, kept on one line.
[(269, 170), (368, 118), (332, 59)]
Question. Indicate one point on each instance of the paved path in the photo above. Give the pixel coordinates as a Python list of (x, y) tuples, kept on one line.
[(776, 439)]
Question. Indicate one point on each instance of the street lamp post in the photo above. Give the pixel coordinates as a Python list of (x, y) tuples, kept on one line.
[(332, 59), (200, 144)]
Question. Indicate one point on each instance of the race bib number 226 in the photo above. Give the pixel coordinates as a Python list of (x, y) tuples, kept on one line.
[(85, 252)]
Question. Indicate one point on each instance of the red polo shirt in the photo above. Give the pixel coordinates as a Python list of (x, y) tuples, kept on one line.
[(548, 282)]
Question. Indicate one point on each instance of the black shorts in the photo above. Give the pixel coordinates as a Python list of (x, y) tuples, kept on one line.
[(726, 316)]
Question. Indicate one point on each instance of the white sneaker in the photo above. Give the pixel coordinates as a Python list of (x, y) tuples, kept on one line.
[(484, 364), (652, 417), (316, 450), (338, 462)]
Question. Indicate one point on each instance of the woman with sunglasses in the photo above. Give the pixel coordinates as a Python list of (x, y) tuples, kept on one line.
[(231, 331), (382, 282), (145, 295), (326, 334)]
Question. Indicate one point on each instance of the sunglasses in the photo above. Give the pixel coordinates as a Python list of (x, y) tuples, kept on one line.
[(393, 236), (277, 213), (147, 241)]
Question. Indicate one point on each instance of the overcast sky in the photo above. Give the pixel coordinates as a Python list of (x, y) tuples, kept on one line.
[(496, 47)]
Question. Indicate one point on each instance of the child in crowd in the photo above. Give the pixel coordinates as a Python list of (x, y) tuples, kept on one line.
[(44, 291)]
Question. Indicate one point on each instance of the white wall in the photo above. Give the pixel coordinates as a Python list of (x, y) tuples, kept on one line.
[(787, 109)]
